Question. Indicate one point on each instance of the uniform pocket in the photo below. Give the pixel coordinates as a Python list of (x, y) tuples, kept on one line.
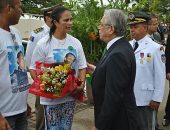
[(147, 87)]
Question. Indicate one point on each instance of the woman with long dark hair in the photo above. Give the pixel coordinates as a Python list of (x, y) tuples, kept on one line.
[(52, 49)]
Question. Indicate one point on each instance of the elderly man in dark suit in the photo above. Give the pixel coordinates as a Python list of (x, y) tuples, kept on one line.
[(113, 78)]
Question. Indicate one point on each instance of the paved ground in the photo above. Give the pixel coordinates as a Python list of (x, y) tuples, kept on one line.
[(83, 118), (162, 107)]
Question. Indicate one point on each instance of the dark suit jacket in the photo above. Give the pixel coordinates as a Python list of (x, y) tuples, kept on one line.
[(112, 85), (167, 53)]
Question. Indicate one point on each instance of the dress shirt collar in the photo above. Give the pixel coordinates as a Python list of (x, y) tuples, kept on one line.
[(113, 41), (141, 40)]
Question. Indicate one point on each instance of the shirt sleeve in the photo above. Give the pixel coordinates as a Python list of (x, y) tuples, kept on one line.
[(38, 55), (81, 58), (159, 74)]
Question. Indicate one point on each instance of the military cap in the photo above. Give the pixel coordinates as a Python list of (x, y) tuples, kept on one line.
[(138, 17), (47, 11)]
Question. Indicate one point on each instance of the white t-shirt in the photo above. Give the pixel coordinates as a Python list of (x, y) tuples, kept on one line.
[(13, 75), (55, 51)]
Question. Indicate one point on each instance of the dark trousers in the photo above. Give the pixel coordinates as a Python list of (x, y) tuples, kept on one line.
[(146, 118), (39, 110), (167, 108), (18, 122)]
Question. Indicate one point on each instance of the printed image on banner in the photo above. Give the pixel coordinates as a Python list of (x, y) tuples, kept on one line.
[(17, 68), (67, 56)]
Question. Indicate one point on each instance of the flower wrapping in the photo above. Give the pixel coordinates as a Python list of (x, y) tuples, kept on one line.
[(55, 81)]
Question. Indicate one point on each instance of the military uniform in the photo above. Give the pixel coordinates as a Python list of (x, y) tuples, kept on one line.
[(35, 36), (150, 74)]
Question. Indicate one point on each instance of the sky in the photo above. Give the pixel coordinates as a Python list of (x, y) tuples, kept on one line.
[(105, 1)]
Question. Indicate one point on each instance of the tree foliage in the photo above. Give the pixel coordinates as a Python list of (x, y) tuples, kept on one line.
[(160, 7), (35, 6), (87, 15)]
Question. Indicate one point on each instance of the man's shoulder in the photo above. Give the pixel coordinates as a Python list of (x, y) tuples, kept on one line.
[(36, 34), (38, 30), (15, 31), (155, 47), (149, 42)]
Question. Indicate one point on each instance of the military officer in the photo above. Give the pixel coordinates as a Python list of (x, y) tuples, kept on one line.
[(35, 36), (150, 70)]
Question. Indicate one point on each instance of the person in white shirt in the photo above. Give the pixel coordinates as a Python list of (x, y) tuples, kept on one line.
[(150, 70), (35, 36), (13, 87), (52, 49)]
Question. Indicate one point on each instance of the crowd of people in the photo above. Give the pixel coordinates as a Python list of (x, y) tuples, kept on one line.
[(127, 83)]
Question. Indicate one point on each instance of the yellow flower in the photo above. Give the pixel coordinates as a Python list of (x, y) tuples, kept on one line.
[(53, 71), (92, 36)]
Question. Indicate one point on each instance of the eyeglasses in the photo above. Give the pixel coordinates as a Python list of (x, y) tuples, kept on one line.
[(104, 25)]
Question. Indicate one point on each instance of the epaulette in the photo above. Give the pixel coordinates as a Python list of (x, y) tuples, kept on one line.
[(156, 41), (38, 30)]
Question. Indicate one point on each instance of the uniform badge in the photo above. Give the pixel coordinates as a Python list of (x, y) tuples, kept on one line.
[(31, 38), (142, 57), (163, 58), (148, 58), (162, 48), (131, 16)]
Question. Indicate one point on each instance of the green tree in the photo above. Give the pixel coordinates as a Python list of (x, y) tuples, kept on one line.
[(35, 6), (160, 7), (87, 15)]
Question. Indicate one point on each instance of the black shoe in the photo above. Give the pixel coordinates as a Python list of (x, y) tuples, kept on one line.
[(158, 128), (165, 122)]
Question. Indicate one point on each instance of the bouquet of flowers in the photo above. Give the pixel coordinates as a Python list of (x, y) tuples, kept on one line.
[(54, 80)]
